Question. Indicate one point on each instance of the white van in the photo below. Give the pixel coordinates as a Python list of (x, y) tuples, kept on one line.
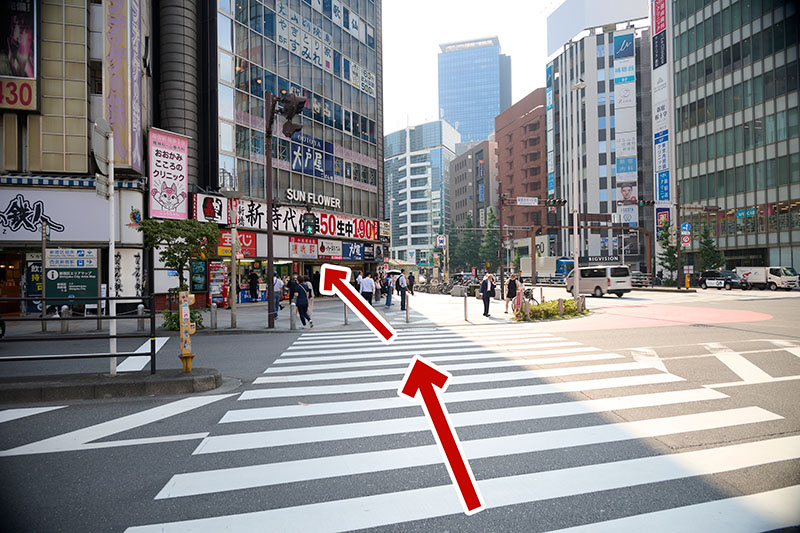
[(599, 280)]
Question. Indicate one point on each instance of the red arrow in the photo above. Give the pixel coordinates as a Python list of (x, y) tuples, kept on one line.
[(422, 377), (333, 281)]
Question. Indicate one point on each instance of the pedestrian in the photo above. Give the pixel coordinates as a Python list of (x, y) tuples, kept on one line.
[(411, 281), (301, 302), (359, 277), (368, 287), (315, 281), (487, 290), (402, 287), (389, 288), (512, 287), (254, 281), (308, 284), (378, 289), (277, 292)]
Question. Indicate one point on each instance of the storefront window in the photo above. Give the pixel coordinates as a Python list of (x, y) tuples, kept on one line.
[(783, 216)]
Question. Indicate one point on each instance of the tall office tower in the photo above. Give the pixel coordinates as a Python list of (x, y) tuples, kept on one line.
[(725, 82), (521, 156), (474, 86), (417, 170), (600, 80)]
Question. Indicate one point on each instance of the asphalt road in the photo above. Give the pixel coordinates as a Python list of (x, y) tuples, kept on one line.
[(659, 411)]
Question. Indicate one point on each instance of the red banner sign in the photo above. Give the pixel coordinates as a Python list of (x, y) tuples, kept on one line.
[(247, 243)]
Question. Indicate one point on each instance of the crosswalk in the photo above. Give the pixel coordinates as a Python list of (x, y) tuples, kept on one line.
[(541, 420)]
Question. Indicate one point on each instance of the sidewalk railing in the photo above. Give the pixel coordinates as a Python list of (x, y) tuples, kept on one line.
[(65, 337)]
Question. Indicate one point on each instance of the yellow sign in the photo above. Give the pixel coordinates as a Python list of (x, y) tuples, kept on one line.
[(186, 330), (687, 280)]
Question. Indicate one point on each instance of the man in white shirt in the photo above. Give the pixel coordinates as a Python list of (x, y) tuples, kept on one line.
[(402, 286), (367, 287), (277, 291), (359, 278)]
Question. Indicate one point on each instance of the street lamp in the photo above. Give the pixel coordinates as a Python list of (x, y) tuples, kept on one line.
[(575, 247)]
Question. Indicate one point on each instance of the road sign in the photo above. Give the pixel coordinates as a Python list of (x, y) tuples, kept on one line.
[(527, 200), (686, 240), (99, 145), (101, 185), (686, 227), (71, 273), (441, 241)]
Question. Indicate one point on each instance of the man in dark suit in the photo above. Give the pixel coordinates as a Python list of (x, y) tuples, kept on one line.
[(487, 291)]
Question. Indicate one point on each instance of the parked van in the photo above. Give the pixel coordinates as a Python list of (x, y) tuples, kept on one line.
[(772, 278), (599, 280)]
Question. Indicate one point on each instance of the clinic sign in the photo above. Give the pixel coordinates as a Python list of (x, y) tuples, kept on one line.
[(70, 273)]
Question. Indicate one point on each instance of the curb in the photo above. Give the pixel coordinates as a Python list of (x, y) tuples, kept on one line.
[(101, 386)]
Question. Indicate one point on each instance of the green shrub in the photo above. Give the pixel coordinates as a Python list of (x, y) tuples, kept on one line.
[(172, 321), (548, 310)]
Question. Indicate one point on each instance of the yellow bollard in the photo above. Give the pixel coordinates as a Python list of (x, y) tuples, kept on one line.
[(187, 328)]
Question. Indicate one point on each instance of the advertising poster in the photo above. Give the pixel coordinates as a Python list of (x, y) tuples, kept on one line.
[(353, 251), (70, 215), (19, 55), (627, 192), (168, 174), (303, 248), (329, 249), (247, 243), (207, 208)]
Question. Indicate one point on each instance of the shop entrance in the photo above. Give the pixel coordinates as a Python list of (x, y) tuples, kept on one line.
[(10, 280)]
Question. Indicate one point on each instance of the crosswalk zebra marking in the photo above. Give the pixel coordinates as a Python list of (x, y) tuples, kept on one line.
[(452, 344), (431, 502), (355, 353), (465, 379), (410, 424), (394, 459), (301, 343), (294, 377), (358, 406), (574, 347), (764, 511)]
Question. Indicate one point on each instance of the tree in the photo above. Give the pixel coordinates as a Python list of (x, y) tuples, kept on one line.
[(469, 244), (517, 260), (668, 257), (180, 242), (708, 257), (452, 244), (490, 247)]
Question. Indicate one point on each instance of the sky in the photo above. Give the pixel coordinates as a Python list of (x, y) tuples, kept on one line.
[(414, 29)]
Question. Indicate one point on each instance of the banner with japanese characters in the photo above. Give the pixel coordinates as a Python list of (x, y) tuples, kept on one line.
[(168, 174), (302, 248)]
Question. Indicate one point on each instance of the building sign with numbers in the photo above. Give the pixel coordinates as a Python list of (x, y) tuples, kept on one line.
[(19, 49)]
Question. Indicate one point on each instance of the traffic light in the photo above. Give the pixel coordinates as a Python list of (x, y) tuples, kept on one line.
[(646, 203), (292, 105), (556, 202), (308, 224)]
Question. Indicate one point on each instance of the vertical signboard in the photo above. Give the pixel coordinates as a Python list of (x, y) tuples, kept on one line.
[(136, 85), (168, 174), (625, 103), (116, 78), (550, 117), (660, 11), (19, 55)]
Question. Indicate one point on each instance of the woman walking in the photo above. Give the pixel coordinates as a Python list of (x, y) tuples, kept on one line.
[(389, 288), (512, 287)]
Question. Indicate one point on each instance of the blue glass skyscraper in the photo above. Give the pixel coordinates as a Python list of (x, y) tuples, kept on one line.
[(474, 86)]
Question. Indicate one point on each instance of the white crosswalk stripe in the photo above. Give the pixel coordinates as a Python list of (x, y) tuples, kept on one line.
[(330, 403)]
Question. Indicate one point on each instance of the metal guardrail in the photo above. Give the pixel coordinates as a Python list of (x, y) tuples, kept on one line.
[(31, 338)]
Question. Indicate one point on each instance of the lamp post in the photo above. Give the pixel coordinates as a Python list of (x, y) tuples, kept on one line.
[(575, 246)]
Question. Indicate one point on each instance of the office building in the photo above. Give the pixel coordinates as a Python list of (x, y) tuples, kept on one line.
[(473, 185), (417, 170), (474, 86), (521, 169), (68, 66), (600, 80), (726, 84)]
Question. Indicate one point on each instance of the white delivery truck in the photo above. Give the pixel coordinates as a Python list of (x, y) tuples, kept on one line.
[(773, 278)]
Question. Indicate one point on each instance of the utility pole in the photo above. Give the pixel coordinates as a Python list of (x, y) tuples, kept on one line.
[(270, 101), (678, 278), (501, 200), (112, 290)]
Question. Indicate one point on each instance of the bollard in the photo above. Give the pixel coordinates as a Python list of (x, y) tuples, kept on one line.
[(560, 307), (346, 320), (466, 296), (293, 316), (541, 294), (140, 314), (214, 315), (65, 323)]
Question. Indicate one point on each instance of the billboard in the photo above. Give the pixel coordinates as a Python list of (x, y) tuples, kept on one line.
[(169, 175), (19, 51)]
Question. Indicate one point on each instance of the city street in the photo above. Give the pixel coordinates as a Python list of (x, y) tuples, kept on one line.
[(566, 423)]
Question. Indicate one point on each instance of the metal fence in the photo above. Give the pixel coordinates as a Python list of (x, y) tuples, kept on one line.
[(64, 321)]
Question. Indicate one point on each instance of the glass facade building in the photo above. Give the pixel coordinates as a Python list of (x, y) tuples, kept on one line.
[(328, 51), (734, 74), (474, 86), (417, 170)]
